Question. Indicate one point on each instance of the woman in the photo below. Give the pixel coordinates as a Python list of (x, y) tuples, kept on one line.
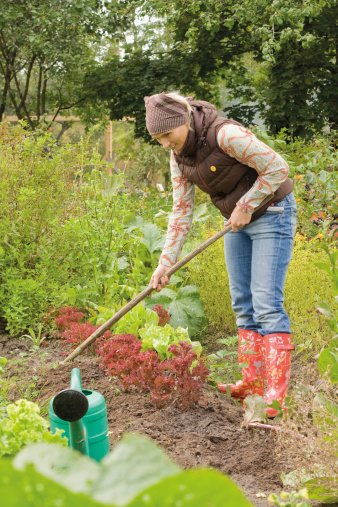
[(248, 182)]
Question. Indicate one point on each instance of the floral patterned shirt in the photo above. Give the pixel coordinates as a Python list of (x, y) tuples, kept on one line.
[(243, 145)]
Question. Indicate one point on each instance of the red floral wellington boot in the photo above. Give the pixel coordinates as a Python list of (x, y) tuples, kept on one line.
[(250, 351), (278, 348)]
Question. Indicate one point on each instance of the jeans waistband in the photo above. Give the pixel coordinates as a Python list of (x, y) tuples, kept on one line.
[(288, 201)]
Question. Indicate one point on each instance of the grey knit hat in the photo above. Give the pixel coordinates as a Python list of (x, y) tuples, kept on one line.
[(163, 114)]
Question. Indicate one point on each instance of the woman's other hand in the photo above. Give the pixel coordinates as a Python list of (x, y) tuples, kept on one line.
[(159, 278), (238, 219)]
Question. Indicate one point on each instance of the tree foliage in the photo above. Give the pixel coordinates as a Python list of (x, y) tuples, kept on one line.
[(277, 58), (296, 44), (45, 50)]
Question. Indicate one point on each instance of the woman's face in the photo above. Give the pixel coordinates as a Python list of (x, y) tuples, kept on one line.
[(174, 139)]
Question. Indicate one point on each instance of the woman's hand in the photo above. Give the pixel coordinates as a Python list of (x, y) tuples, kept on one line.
[(159, 278), (238, 219)]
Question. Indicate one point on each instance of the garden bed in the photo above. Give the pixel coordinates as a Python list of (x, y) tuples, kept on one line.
[(208, 435)]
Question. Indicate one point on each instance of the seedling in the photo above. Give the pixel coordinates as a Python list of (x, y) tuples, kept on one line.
[(36, 337)]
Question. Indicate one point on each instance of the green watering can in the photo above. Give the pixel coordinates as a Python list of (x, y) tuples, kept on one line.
[(82, 414)]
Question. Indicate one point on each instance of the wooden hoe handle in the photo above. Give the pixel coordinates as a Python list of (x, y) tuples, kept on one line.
[(143, 294)]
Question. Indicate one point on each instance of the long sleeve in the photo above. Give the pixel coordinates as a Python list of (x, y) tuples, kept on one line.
[(181, 216), (243, 145)]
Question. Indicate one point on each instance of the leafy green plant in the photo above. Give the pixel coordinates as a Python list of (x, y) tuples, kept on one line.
[(328, 361), (64, 232), (222, 363), (3, 390), (36, 337), (22, 425), (136, 473), (3, 362), (138, 317), (184, 306), (292, 499), (320, 483), (160, 338), (328, 357), (325, 417)]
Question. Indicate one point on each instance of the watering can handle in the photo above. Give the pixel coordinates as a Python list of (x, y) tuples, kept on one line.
[(75, 380)]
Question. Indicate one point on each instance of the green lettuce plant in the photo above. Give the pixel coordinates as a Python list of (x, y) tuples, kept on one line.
[(21, 424), (138, 317), (160, 338)]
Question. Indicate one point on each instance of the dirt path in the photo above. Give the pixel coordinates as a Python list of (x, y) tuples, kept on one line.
[(207, 435)]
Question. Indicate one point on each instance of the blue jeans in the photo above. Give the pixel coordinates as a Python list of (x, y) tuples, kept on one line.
[(257, 258)]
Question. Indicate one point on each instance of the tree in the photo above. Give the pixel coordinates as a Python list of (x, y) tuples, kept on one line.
[(46, 48), (172, 50), (291, 77), (296, 44)]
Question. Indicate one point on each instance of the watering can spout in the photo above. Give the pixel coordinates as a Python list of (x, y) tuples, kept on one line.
[(75, 380)]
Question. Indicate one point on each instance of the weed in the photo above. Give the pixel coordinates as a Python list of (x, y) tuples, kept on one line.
[(223, 363), (292, 499), (36, 337)]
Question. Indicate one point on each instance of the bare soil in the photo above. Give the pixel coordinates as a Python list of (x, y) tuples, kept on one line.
[(209, 434)]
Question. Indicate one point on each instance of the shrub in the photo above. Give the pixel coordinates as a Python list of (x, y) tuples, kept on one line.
[(23, 300), (64, 237), (306, 287)]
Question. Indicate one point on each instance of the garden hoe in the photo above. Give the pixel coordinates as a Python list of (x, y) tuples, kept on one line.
[(107, 325)]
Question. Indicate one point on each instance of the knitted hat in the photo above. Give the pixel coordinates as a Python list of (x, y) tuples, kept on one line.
[(163, 114)]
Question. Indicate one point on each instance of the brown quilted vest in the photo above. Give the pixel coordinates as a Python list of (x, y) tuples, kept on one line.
[(221, 176)]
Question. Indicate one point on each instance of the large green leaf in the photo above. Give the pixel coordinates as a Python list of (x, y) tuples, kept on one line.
[(28, 488), (328, 361), (184, 306), (137, 473), (165, 297), (63, 465), (323, 489), (153, 238), (193, 488), (135, 464)]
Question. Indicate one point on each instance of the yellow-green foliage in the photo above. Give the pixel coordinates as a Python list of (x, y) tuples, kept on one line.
[(209, 274), (306, 286)]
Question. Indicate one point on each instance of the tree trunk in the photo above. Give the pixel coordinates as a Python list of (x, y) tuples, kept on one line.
[(5, 91)]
